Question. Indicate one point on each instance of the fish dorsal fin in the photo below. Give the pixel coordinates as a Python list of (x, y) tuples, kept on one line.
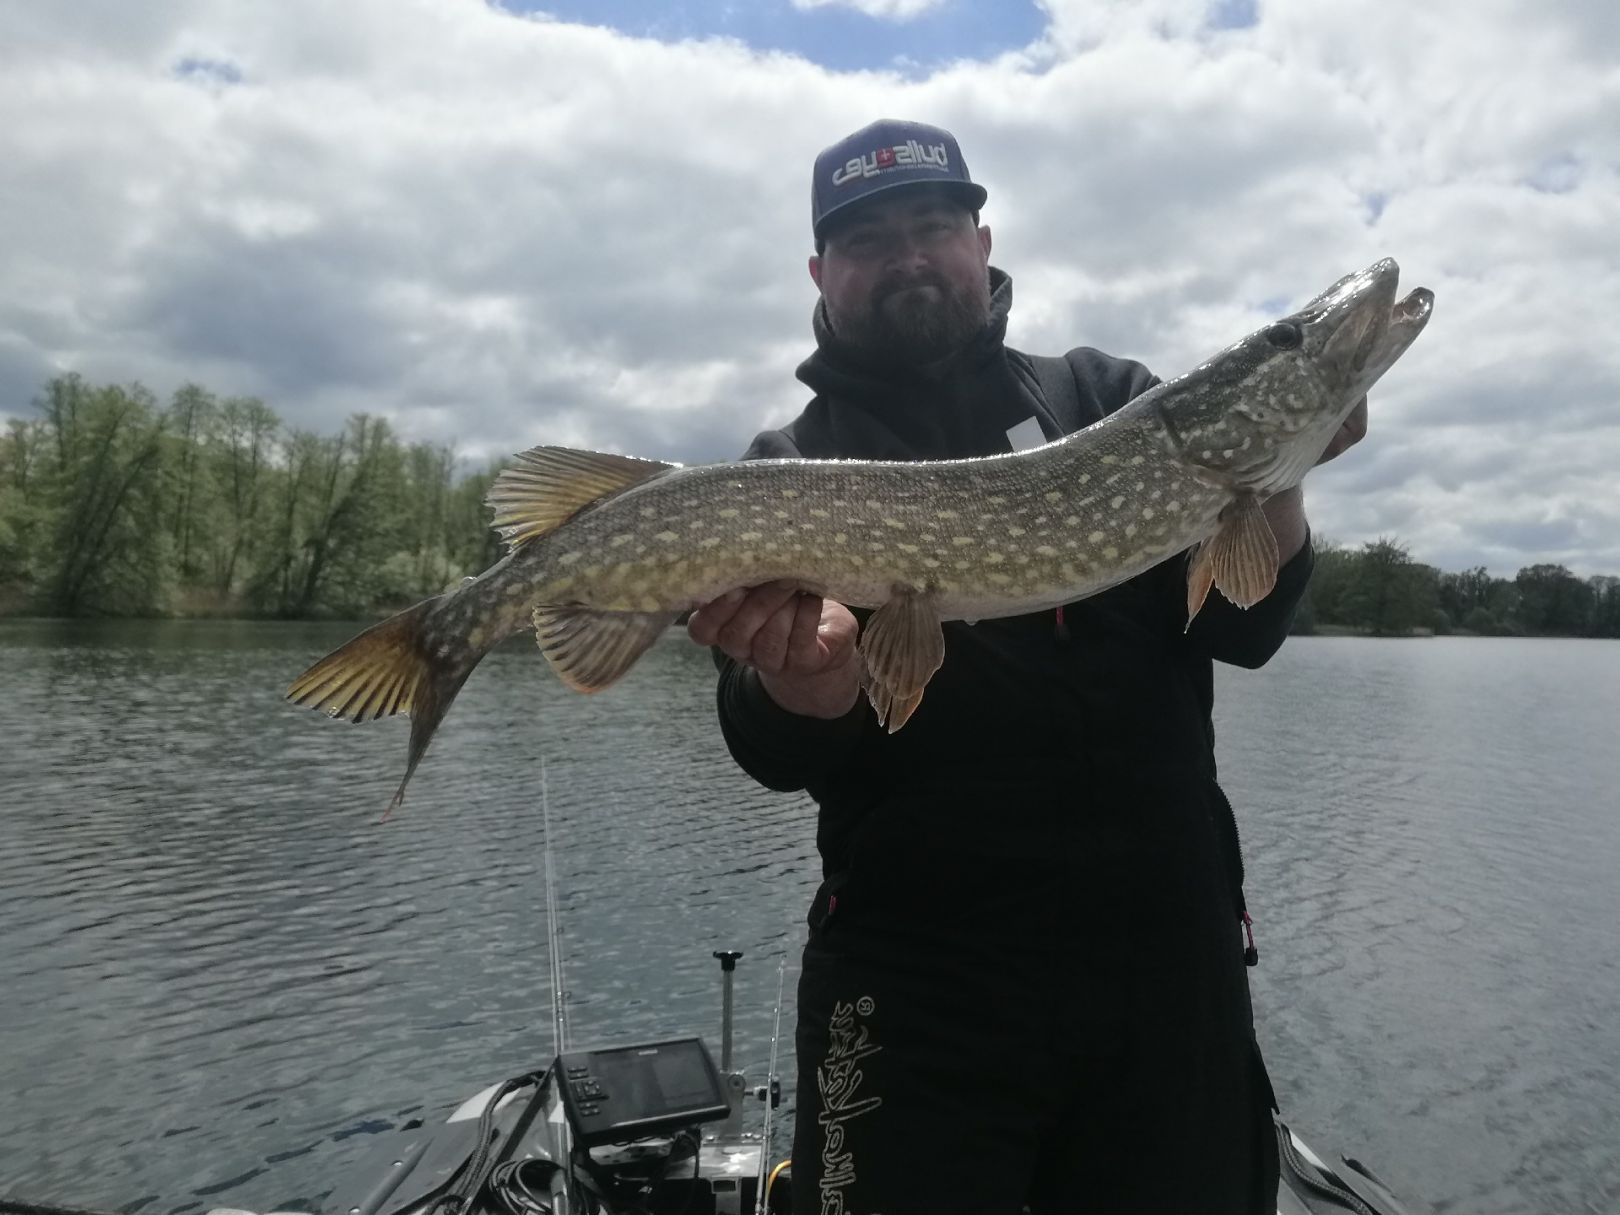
[(1240, 558), (549, 485), (902, 646), (589, 649)]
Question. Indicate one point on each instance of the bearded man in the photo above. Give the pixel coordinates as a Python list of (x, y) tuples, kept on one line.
[(1024, 985)]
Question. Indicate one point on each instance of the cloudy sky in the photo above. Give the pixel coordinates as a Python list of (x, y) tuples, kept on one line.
[(586, 221)]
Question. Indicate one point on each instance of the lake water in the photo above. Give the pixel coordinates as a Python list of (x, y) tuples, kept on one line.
[(220, 978)]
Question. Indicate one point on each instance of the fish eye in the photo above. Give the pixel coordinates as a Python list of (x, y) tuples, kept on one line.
[(1285, 335)]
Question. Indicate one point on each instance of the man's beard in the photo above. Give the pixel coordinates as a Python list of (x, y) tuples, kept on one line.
[(904, 322)]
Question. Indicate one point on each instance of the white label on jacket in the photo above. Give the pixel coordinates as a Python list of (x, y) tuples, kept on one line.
[(1026, 434)]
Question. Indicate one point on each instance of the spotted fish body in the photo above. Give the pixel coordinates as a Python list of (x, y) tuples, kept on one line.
[(996, 536), (606, 551)]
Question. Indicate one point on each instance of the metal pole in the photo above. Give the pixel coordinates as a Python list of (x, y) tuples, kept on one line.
[(728, 964)]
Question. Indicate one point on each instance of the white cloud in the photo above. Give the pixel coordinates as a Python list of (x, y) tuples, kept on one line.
[(886, 10), (505, 230)]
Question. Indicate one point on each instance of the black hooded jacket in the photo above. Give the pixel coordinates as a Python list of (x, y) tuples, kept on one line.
[(1033, 729)]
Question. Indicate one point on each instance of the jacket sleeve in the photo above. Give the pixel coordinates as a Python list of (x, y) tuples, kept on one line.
[(782, 750), (779, 749), (1249, 638)]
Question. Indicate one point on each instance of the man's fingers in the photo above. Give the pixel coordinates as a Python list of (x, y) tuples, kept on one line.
[(1355, 426), (804, 650), (758, 630), (1351, 431), (704, 624), (775, 628)]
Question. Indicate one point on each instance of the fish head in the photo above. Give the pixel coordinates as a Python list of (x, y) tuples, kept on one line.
[(1260, 413)]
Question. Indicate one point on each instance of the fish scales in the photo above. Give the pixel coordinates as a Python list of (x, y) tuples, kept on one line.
[(606, 551), (988, 537)]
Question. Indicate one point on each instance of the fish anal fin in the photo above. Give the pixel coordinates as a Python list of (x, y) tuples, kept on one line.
[(392, 667), (1200, 577), (590, 650), (549, 485), (1243, 553), (901, 648)]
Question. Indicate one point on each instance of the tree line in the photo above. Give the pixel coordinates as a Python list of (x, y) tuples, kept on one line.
[(114, 504), (1379, 589)]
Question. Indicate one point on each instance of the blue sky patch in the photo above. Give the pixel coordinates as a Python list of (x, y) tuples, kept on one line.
[(837, 38), (1557, 175), (1234, 14), (207, 71)]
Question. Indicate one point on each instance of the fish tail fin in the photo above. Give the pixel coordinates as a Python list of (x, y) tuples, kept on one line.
[(393, 667)]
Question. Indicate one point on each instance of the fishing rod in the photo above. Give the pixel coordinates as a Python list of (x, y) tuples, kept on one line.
[(615, 1116), (564, 1192), (559, 994), (762, 1182)]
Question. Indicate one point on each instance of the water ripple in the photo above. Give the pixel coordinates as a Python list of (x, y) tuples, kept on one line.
[(224, 977)]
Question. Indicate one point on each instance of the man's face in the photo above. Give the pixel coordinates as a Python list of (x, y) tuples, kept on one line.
[(906, 277)]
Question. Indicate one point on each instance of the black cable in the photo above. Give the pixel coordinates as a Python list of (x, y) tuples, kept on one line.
[(697, 1168), (509, 1185), (475, 1173), (1300, 1168)]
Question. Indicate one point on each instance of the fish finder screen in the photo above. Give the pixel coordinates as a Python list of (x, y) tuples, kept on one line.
[(621, 1092)]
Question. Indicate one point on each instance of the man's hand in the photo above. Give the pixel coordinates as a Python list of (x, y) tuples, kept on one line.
[(1351, 431), (1286, 511), (803, 646)]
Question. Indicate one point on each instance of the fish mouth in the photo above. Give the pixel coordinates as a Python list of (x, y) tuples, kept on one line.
[(1367, 328), (1405, 321)]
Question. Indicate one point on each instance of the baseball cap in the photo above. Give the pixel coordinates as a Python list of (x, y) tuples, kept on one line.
[(886, 155)]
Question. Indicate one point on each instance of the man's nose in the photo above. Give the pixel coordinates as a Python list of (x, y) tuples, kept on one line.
[(905, 253)]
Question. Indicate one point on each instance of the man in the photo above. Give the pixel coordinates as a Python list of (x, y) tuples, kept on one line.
[(1025, 979)]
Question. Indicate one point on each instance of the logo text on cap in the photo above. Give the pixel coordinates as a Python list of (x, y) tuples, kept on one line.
[(905, 155)]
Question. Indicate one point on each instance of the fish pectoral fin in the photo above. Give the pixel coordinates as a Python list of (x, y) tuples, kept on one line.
[(590, 649), (549, 485), (1241, 556), (901, 647)]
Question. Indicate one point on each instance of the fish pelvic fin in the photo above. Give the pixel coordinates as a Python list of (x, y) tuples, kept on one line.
[(1240, 559), (1200, 577), (550, 485), (901, 647), (591, 650), (392, 667)]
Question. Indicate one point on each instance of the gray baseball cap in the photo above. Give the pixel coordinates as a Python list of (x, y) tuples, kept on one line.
[(886, 155)]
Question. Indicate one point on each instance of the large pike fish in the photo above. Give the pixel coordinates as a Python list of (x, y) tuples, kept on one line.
[(606, 551)]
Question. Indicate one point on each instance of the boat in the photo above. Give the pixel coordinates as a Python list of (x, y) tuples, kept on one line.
[(657, 1128)]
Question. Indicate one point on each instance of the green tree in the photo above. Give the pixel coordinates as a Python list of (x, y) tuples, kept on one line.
[(1390, 595), (1553, 601), (1605, 606), (23, 517), (1331, 585), (110, 550), (1459, 594), (474, 545), (241, 454), (190, 419), (341, 520), (1503, 604)]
